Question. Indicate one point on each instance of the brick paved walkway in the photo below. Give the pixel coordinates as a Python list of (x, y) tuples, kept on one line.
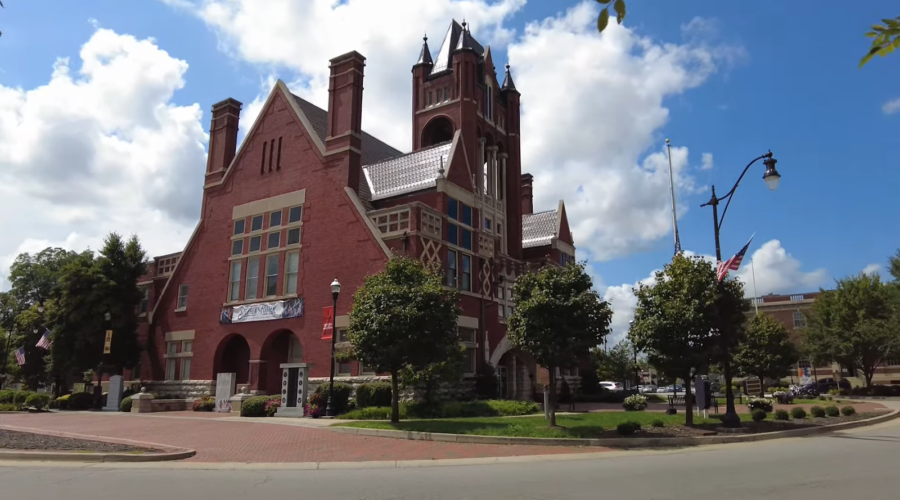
[(219, 440)]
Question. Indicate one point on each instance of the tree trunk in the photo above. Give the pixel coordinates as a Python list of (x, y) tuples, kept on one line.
[(869, 373), (552, 371), (688, 399), (395, 398), (762, 387)]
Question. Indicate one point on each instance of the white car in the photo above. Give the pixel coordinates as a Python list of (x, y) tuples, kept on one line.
[(648, 388), (611, 386)]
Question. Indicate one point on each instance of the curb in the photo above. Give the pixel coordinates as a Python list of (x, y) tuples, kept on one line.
[(165, 453), (614, 442)]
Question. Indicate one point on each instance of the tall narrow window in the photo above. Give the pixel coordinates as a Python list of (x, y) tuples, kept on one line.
[(182, 297), (256, 223), (272, 275), (278, 161), (275, 219), (271, 154), (274, 240), (239, 227), (234, 292), (237, 247), (185, 369), (262, 164), (145, 299), (255, 242), (291, 271), (294, 214), (451, 268), (466, 281), (250, 289), (452, 209), (293, 236), (171, 350)]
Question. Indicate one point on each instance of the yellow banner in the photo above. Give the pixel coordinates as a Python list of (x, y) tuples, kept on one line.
[(108, 342)]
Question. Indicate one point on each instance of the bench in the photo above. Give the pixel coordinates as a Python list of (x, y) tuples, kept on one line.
[(679, 401)]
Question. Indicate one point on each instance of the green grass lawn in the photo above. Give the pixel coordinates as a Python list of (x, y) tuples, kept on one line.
[(796, 402), (586, 425)]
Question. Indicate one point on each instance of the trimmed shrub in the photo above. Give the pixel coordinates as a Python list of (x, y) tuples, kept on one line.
[(9, 407), (658, 423), (822, 397), (635, 402), (206, 403), (784, 397), (37, 401), (628, 428), (319, 400), (817, 412), (21, 396), (272, 406), (848, 410), (764, 404), (125, 405), (834, 392), (255, 406), (8, 396), (81, 401), (373, 413), (758, 415), (782, 415), (832, 411), (373, 394), (466, 409), (340, 399), (798, 413)]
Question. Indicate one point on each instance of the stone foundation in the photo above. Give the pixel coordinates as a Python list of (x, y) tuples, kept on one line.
[(158, 405), (185, 388)]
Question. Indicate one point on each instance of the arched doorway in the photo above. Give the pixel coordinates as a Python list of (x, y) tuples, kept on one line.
[(438, 130), (516, 371), (233, 356), (282, 346)]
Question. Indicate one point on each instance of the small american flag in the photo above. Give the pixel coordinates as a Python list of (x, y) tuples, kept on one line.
[(20, 356), (732, 264), (45, 341)]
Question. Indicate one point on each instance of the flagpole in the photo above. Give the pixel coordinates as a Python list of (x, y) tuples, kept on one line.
[(755, 296), (672, 192)]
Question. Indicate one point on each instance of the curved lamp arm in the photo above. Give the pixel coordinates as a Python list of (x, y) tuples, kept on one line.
[(730, 193)]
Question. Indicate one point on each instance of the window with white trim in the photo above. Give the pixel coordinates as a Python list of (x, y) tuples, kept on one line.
[(467, 339), (275, 219), (274, 240), (466, 273), (182, 297), (799, 320), (171, 362), (365, 370), (166, 266), (291, 272), (431, 224), (293, 236), (450, 278), (234, 284), (255, 243), (145, 300), (295, 214), (239, 227), (272, 275), (251, 289)]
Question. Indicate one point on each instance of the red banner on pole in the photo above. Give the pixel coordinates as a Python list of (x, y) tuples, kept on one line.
[(328, 322)]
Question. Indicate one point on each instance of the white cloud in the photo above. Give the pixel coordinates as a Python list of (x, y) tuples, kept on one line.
[(99, 148), (872, 269), (606, 111), (776, 271), (891, 107), (707, 163), (622, 301)]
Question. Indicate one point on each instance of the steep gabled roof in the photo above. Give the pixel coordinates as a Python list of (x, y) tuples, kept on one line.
[(373, 149), (451, 41), (539, 229), (408, 173)]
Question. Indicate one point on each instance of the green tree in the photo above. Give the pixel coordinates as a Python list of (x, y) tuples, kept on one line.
[(430, 379), (558, 317), (403, 319), (856, 324), (675, 320), (894, 265), (767, 350), (616, 364)]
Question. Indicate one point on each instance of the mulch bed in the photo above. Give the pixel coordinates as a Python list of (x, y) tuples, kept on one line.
[(752, 427), (14, 440)]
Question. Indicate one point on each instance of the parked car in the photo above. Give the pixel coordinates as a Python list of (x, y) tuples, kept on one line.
[(647, 388), (612, 386), (825, 384)]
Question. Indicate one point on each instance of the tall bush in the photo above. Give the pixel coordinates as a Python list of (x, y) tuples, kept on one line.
[(340, 400), (373, 394)]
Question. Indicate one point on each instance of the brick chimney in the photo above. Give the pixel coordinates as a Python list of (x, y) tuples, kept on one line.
[(527, 198), (223, 132), (345, 92)]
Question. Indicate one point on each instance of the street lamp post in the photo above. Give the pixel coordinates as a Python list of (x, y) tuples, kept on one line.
[(335, 291), (772, 178)]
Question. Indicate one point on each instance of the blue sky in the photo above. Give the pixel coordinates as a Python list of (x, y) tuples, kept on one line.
[(783, 78)]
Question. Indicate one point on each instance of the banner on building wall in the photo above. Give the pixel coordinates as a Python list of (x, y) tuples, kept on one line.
[(327, 322), (263, 311)]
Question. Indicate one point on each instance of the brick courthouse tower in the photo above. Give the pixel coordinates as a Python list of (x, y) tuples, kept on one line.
[(309, 196)]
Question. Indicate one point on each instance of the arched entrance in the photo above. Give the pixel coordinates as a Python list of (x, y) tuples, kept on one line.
[(438, 130), (233, 356), (282, 346), (516, 371)]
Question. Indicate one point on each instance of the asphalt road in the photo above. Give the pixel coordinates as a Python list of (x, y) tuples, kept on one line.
[(864, 463)]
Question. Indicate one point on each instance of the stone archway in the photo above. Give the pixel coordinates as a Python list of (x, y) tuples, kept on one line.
[(233, 356), (516, 371), (281, 346)]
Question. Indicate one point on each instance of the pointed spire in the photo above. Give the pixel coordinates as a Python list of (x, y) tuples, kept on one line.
[(466, 42), (507, 80), (425, 54)]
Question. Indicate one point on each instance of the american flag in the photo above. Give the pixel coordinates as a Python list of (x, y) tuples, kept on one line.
[(45, 341), (732, 264), (20, 356)]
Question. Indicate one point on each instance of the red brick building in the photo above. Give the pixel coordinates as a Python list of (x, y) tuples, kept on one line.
[(308, 197)]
